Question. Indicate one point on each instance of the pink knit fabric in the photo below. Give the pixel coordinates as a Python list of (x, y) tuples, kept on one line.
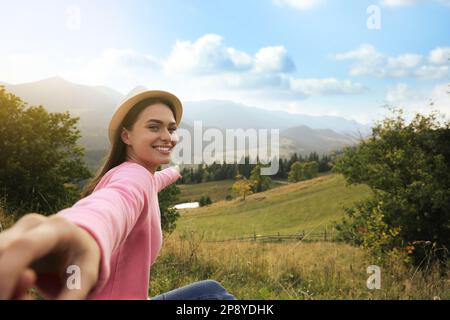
[(123, 215)]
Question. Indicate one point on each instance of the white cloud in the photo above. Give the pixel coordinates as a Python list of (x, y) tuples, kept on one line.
[(398, 3), (404, 3), (370, 62), (432, 72), (122, 69), (273, 60), (309, 4), (299, 4), (240, 59), (278, 86), (404, 61), (209, 55), (440, 98), (212, 65), (364, 52), (126, 58), (24, 67), (206, 55), (440, 55), (327, 86), (201, 69), (402, 93), (413, 100)]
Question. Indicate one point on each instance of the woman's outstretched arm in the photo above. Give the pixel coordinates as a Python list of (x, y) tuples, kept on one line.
[(37, 246), (166, 177), (84, 235)]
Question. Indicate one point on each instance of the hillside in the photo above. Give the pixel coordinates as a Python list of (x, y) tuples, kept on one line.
[(308, 206), (320, 140), (216, 190)]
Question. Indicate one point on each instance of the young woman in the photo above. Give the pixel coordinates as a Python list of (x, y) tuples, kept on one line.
[(104, 245)]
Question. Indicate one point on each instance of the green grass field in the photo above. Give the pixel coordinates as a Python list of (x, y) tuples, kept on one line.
[(281, 270), (309, 206), (216, 190)]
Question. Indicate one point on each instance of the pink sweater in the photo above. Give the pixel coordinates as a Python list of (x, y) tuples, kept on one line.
[(123, 216)]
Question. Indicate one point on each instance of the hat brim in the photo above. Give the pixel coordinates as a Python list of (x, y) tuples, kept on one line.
[(129, 103)]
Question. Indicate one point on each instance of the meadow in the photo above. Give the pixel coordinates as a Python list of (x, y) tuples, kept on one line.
[(306, 269), (300, 269), (310, 206), (287, 270)]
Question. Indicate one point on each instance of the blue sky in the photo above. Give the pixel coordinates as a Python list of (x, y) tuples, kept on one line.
[(306, 56)]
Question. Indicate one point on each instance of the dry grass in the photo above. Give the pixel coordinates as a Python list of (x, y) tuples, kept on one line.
[(317, 270), (6, 219)]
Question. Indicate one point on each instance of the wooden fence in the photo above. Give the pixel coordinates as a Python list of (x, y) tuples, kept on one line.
[(325, 235)]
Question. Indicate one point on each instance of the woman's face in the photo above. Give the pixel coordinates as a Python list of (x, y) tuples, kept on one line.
[(152, 138)]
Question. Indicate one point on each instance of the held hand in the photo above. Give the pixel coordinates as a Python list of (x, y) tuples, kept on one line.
[(37, 247)]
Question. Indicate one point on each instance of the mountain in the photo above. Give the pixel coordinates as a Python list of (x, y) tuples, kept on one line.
[(95, 105), (320, 140), (59, 95), (235, 115)]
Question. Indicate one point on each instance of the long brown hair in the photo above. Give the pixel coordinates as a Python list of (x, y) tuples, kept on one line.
[(118, 152)]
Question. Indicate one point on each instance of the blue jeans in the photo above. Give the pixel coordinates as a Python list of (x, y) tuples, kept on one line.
[(202, 290)]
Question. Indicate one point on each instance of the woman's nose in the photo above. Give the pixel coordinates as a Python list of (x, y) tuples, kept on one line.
[(166, 135)]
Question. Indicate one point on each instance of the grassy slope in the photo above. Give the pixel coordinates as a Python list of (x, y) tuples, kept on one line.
[(287, 270), (310, 206), (216, 190)]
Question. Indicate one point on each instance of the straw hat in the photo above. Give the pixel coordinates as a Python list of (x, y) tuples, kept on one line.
[(136, 96)]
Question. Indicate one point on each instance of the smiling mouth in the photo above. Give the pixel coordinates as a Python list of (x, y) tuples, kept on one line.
[(164, 150)]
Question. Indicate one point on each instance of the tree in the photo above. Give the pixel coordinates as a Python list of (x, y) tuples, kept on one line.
[(169, 215), (296, 173), (325, 163), (282, 174), (259, 182), (41, 165), (310, 169), (204, 201), (407, 166), (242, 186)]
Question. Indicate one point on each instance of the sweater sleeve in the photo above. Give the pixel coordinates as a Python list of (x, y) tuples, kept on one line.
[(166, 177), (110, 213)]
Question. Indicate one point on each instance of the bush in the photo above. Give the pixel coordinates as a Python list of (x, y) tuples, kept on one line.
[(167, 197), (41, 165), (407, 166), (204, 201)]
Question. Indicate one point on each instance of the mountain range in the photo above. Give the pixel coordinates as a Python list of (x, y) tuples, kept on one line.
[(95, 105)]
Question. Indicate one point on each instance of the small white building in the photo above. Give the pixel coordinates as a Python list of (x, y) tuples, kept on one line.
[(187, 205)]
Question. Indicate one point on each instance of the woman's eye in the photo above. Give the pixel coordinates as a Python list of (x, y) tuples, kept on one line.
[(153, 128), (172, 130)]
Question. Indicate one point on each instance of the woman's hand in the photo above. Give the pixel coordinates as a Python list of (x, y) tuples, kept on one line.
[(37, 251), (177, 168)]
